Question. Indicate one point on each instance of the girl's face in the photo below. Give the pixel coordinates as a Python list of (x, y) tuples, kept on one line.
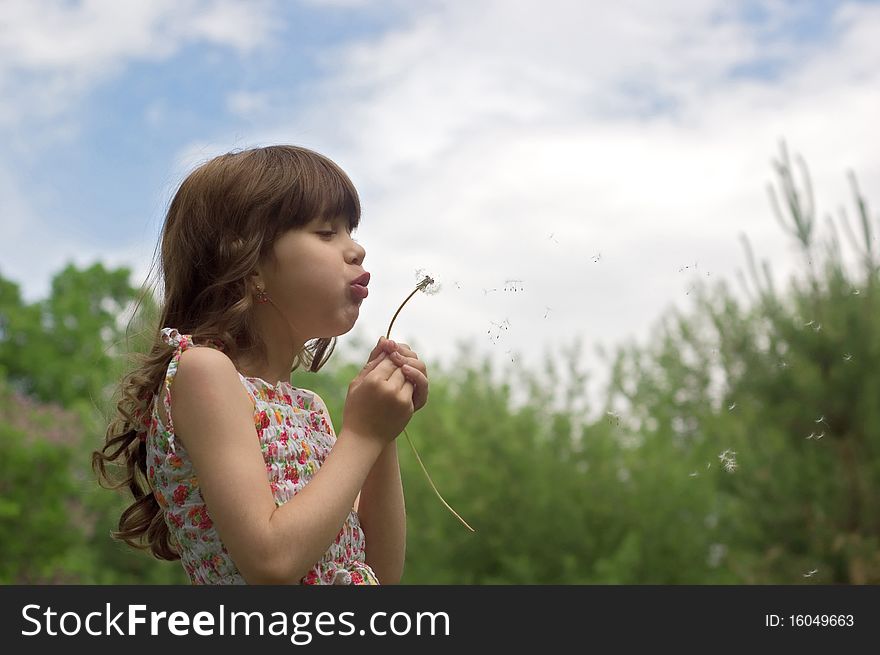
[(311, 285)]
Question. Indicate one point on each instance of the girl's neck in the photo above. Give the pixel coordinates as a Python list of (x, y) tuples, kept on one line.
[(281, 351)]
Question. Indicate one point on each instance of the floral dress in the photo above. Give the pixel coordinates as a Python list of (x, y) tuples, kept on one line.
[(295, 436)]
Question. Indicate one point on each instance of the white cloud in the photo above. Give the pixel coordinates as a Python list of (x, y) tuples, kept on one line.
[(52, 54), (247, 104)]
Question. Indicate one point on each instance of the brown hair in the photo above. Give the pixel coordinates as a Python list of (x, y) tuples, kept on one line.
[(221, 223)]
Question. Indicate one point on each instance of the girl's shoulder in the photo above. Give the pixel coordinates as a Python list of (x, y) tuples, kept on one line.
[(201, 377)]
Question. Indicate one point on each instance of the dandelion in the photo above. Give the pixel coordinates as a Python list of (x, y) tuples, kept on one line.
[(429, 286)]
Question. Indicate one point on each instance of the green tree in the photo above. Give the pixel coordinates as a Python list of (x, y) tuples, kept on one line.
[(787, 383)]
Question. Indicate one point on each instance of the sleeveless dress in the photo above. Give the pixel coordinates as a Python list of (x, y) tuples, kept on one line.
[(295, 436)]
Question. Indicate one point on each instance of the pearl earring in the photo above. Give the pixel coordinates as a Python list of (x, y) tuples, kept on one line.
[(261, 295)]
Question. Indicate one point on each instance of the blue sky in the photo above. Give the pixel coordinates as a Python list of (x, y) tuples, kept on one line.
[(641, 132)]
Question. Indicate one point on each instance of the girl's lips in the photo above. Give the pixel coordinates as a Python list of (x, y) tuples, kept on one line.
[(359, 291)]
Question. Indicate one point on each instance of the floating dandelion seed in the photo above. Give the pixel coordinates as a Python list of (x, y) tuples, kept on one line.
[(856, 292), (731, 407), (596, 257), (818, 327), (547, 312), (426, 285), (821, 419), (809, 324), (812, 434), (693, 475), (613, 417), (783, 363), (512, 358), (728, 460), (501, 326), (513, 285), (488, 291), (819, 436), (847, 357), (551, 237), (810, 574), (708, 465)]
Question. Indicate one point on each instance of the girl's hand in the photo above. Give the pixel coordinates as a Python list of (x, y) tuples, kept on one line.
[(413, 368), (379, 402)]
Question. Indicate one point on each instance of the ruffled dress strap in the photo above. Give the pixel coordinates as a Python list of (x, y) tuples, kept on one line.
[(180, 343)]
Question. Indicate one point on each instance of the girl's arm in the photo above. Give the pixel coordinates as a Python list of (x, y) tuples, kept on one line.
[(382, 516), (213, 417)]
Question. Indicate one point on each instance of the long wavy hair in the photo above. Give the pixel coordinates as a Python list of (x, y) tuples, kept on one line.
[(221, 222)]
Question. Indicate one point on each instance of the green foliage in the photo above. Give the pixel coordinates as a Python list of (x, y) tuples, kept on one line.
[(67, 337), (789, 384)]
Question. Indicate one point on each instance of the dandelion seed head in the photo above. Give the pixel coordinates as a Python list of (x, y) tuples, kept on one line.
[(427, 284)]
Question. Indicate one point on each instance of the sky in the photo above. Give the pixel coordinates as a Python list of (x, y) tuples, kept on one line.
[(566, 170)]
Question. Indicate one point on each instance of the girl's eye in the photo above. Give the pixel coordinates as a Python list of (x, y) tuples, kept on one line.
[(323, 233)]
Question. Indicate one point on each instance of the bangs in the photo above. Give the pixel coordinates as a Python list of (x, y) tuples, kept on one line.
[(313, 187)]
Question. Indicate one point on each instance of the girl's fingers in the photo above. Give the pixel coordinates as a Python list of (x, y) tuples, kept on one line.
[(420, 386), (414, 362), (401, 371), (382, 346), (373, 363)]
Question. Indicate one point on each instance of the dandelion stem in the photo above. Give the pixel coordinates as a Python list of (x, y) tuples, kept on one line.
[(421, 287)]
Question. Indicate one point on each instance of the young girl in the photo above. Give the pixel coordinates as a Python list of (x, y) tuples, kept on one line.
[(233, 470)]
